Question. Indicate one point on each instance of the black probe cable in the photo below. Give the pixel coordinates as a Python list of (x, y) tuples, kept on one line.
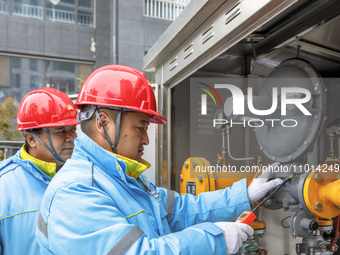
[(289, 178)]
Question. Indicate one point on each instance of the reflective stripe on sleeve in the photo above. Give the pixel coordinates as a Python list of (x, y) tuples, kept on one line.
[(127, 241), (42, 226), (170, 203)]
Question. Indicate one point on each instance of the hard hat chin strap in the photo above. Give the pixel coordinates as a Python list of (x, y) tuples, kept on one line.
[(87, 114), (52, 150), (119, 117)]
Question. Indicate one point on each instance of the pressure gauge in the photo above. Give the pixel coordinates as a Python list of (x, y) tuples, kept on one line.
[(293, 134)]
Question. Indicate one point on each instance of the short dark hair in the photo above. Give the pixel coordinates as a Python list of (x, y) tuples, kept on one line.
[(87, 125), (34, 130)]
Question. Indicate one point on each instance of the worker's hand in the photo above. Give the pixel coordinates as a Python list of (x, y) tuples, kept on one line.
[(235, 234), (260, 186)]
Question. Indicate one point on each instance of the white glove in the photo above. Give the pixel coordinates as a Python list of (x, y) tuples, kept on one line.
[(235, 234), (260, 186)]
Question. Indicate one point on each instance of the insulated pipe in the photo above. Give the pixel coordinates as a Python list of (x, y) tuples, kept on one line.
[(228, 149), (321, 188), (331, 192)]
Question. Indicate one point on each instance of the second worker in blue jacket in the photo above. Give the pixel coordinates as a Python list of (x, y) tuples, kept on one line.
[(100, 202), (47, 119)]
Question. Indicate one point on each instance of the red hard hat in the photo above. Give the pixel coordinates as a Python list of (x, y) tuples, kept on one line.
[(46, 107), (120, 86)]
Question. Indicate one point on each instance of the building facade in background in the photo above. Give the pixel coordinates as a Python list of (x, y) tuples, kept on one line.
[(58, 43)]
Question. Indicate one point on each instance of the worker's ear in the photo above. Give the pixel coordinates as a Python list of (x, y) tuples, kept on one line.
[(106, 121), (30, 139)]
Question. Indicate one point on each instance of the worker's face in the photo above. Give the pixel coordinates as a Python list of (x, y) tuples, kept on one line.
[(63, 143), (133, 135)]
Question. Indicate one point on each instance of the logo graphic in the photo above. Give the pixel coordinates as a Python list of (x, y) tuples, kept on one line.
[(281, 99), (204, 97)]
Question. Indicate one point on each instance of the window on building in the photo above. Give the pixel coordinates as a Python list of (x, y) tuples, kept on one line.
[(3, 6), (164, 9), (61, 75), (28, 8), (3, 70), (67, 11), (85, 10), (62, 11), (85, 18), (84, 71), (21, 75), (70, 11), (85, 3), (26, 74)]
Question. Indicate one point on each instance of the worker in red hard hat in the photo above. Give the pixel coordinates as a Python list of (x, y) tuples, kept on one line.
[(101, 202), (47, 118)]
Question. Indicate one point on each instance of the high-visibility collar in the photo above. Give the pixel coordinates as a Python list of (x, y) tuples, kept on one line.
[(48, 168), (133, 167)]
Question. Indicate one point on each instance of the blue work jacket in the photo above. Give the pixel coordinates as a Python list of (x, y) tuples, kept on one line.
[(22, 186), (93, 207)]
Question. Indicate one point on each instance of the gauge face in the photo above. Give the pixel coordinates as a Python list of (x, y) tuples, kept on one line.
[(243, 215), (293, 135)]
